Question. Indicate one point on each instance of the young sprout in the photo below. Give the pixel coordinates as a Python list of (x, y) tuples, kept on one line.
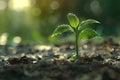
[(80, 29)]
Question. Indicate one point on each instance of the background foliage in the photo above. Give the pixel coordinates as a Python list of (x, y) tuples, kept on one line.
[(35, 23)]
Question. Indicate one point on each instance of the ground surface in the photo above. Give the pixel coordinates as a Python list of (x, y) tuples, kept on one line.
[(40, 62)]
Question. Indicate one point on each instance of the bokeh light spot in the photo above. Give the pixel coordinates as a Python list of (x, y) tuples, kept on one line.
[(17, 39), (3, 5), (19, 5), (54, 5), (3, 39)]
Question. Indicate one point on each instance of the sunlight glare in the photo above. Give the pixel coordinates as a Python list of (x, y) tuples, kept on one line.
[(19, 5)]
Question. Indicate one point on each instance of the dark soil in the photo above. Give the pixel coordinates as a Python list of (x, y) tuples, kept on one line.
[(40, 62)]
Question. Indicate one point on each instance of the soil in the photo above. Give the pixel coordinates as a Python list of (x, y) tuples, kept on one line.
[(42, 62)]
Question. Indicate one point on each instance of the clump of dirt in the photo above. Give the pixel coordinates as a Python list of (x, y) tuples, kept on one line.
[(41, 62)]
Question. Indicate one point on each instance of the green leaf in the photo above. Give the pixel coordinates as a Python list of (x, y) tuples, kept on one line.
[(86, 23), (87, 34), (73, 20), (61, 29), (73, 58)]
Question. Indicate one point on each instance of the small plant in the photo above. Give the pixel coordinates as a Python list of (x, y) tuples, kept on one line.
[(80, 29)]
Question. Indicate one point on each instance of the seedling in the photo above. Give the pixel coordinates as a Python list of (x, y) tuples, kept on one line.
[(80, 29)]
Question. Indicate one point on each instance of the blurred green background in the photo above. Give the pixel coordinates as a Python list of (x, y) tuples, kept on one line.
[(33, 21)]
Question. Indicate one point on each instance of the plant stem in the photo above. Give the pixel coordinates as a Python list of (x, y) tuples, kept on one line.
[(76, 42)]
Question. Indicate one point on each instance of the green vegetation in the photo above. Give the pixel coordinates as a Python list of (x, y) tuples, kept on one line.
[(80, 29)]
